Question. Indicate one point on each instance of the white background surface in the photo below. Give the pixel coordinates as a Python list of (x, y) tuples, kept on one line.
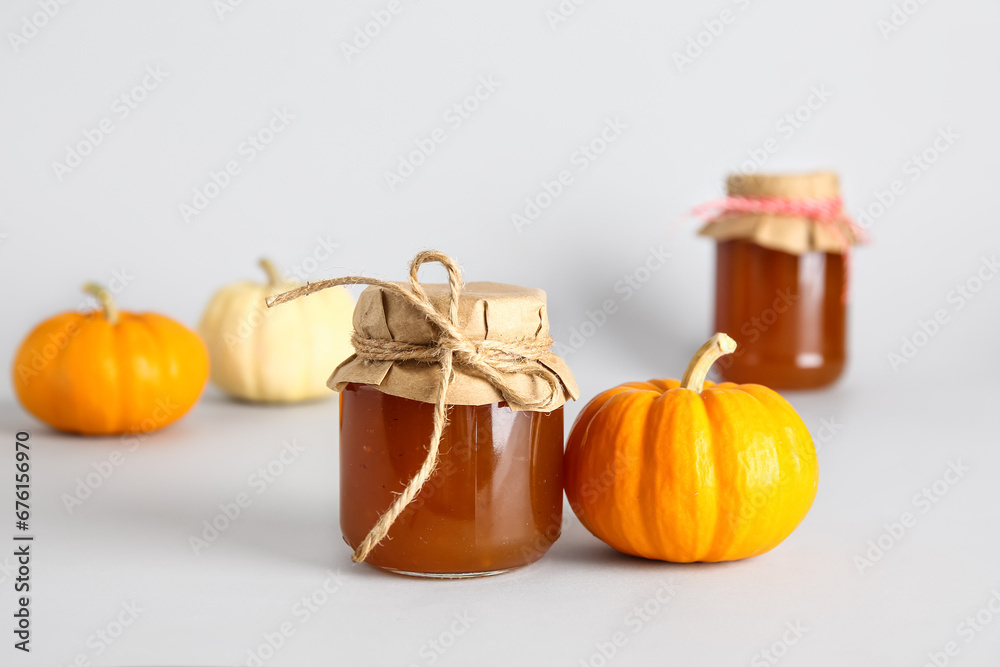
[(323, 177)]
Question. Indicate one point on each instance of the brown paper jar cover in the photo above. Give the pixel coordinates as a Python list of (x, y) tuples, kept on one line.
[(486, 311), (791, 234)]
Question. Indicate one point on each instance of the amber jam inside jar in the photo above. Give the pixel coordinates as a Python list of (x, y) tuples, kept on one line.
[(785, 311), (493, 503)]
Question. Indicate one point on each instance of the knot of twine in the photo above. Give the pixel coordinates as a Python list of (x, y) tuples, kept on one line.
[(492, 360), (828, 212)]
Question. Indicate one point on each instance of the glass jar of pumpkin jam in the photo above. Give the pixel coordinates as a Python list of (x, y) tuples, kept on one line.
[(781, 278), (493, 503), (785, 311), (451, 424)]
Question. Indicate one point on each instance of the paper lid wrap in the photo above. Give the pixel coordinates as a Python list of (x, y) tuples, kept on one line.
[(486, 311), (788, 233)]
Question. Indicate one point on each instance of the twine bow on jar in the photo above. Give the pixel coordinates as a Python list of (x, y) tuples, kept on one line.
[(493, 360)]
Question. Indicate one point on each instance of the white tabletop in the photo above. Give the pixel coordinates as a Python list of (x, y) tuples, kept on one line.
[(810, 601)]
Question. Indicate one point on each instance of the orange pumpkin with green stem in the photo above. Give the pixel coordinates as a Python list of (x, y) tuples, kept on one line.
[(109, 372), (688, 470)]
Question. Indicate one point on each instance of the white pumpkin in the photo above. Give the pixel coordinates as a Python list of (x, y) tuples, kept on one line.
[(280, 354)]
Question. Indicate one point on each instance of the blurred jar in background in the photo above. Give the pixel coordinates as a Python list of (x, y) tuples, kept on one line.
[(782, 263)]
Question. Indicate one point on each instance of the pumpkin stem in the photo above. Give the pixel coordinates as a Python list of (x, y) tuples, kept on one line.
[(717, 346), (273, 277), (103, 297)]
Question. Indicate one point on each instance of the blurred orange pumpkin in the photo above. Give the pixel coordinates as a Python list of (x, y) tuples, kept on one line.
[(109, 372), (688, 470)]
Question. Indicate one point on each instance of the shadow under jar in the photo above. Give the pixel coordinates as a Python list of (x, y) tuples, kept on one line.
[(780, 281)]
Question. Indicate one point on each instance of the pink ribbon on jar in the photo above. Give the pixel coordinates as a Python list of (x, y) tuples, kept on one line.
[(827, 212)]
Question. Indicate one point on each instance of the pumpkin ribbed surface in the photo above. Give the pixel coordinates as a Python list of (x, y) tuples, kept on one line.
[(664, 472), (82, 373)]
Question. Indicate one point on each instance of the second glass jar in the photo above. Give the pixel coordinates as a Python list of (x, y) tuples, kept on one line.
[(781, 277)]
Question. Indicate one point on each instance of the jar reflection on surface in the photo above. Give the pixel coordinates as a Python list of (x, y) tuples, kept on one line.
[(785, 311), (493, 503)]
